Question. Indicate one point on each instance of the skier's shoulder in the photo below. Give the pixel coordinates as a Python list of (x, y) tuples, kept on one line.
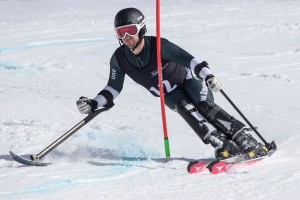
[(114, 63), (148, 39), (119, 49), (113, 58)]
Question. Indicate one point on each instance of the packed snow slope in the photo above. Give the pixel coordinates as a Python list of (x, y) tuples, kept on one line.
[(53, 52)]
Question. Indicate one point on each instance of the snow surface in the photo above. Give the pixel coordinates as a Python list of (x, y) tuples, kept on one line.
[(52, 52)]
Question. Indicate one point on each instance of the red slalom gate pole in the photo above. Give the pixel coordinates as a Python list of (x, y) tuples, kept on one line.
[(160, 80)]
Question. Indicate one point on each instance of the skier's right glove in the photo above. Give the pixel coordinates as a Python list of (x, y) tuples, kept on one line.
[(86, 106), (202, 71), (213, 83)]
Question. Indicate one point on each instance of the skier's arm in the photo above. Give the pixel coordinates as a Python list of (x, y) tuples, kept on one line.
[(108, 94), (178, 55), (114, 85), (174, 53)]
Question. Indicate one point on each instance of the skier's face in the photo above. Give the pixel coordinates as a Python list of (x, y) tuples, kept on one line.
[(130, 41)]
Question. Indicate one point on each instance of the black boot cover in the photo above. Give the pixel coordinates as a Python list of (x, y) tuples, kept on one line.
[(224, 148), (224, 122), (196, 121)]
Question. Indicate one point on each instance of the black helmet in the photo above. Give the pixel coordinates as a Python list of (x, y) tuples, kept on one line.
[(129, 16)]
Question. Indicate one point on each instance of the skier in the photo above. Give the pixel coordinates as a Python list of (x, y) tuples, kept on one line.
[(190, 97)]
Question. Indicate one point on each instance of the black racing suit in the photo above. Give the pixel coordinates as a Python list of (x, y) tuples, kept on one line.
[(179, 84)]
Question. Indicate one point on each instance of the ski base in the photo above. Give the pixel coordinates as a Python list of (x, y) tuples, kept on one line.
[(219, 166), (25, 161)]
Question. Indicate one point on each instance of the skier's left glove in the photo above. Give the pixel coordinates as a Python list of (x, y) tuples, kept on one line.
[(86, 106), (213, 83)]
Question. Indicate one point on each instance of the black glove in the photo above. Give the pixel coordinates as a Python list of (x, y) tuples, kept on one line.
[(86, 106)]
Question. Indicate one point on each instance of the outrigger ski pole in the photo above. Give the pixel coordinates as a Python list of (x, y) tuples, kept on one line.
[(35, 159), (271, 146)]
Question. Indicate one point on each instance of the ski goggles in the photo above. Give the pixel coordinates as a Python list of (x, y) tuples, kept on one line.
[(131, 30)]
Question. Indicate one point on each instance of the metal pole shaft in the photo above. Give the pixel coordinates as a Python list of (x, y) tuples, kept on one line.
[(69, 133), (60, 140)]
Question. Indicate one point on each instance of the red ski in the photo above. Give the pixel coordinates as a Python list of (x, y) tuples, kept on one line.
[(218, 166)]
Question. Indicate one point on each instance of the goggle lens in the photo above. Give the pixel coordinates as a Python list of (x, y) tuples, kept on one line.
[(130, 30)]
